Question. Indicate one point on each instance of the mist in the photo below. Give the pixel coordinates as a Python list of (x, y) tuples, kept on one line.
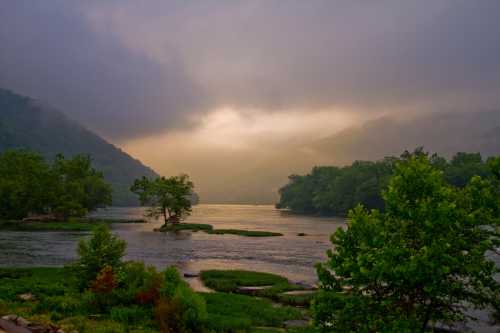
[(239, 93)]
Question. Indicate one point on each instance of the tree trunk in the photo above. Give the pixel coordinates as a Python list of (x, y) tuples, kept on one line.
[(165, 220)]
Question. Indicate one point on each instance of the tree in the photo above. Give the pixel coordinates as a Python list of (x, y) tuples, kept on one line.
[(418, 263), (67, 187), (167, 197), (25, 180), (80, 188), (102, 250)]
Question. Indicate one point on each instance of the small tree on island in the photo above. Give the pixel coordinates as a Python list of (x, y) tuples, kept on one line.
[(425, 261), (167, 197)]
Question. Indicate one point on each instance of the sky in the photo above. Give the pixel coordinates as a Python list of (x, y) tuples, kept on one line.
[(228, 90)]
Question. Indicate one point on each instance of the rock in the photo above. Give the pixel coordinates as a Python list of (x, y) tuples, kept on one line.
[(301, 234), (10, 317), (296, 323), (305, 285), (22, 322), (252, 290), (26, 297), (300, 292), (190, 275)]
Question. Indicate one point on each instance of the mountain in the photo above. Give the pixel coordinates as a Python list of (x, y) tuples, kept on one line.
[(257, 181), (443, 133), (24, 123)]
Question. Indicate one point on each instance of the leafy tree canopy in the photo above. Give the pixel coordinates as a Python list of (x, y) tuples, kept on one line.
[(167, 197), (418, 263), (332, 190), (64, 188)]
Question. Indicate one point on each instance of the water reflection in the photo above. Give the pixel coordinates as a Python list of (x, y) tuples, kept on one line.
[(291, 255)]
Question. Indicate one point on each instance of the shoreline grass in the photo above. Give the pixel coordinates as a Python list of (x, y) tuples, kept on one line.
[(210, 230), (79, 224), (230, 281)]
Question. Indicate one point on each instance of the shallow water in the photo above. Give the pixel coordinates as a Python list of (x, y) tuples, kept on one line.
[(290, 255)]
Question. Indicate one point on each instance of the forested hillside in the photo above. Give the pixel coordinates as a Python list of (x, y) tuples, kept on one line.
[(332, 190), (24, 123)]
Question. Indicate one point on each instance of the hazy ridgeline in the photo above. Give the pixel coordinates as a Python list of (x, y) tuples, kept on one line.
[(26, 124), (331, 190)]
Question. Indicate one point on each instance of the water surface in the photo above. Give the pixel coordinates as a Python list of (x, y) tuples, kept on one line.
[(290, 255)]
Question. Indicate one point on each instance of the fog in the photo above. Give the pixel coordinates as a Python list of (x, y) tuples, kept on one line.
[(237, 93)]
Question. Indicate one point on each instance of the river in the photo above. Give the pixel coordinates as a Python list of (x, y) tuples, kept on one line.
[(291, 255)]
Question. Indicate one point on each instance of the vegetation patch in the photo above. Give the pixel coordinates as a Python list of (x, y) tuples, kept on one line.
[(73, 224), (210, 230), (235, 281), (230, 312), (247, 233)]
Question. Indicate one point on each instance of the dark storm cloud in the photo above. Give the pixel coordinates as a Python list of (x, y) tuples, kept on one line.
[(50, 51), (128, 67)]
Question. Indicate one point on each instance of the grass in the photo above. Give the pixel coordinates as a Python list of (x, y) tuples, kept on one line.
[(210, 230), (59, 302), (79, 224), (247, 233), (230, 281), (229, 312)]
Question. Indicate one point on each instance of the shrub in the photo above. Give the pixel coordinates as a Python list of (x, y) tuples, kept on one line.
[(153, 281), (129, 315), (105, 281), (66, 305), (101, 250), (179, 309)]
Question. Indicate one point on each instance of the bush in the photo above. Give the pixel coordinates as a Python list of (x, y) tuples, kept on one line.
[(67, 305), (105, 281), (179, 309), (101, 250), (129, 315)]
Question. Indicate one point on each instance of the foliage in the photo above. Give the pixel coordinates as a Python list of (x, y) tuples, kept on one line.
[(79, 187), (29, 185), (167, 197), (179, 309), (25, 180), (335, 190), (229, 312), (418, 263), (105, 282), (102, 250), (24, 123)]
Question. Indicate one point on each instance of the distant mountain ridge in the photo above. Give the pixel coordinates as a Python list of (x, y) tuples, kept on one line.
[(24, 123), (443, 133)]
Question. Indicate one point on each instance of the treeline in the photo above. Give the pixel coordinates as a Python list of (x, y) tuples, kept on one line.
[(331, 190), (63, 188)]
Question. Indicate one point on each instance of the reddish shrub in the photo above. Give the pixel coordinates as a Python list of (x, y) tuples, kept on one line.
[(105, 281)]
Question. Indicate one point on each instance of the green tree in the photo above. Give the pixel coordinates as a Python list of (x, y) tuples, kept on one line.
[(102, 250), (67, 187), (167, 197), (420, 261), (25, 183), (80, 188)]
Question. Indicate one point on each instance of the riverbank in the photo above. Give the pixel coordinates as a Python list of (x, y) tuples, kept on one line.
[(79, 224), (47, 296)]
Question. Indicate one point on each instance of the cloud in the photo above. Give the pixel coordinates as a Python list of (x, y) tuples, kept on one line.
[(51, 51), (134, 68)]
